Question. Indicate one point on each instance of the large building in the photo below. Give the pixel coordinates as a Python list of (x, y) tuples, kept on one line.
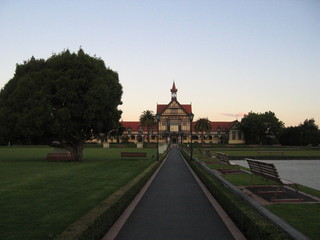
[(175, 122)]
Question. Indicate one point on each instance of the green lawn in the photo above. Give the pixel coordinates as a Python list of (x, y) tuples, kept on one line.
[(303, 216), (39, 199), (277, 151)]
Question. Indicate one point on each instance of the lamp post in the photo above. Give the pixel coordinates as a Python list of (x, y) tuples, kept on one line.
[(158, 122), (191, 119)]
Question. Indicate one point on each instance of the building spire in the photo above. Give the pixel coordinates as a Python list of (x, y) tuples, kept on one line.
[(174, 91)]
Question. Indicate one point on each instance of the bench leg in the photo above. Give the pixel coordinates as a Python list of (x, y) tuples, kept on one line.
[(251, 179), (297, 199), (280, 189), (297, 190)]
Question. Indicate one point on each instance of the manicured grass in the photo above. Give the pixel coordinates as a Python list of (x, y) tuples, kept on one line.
[(244, 179), (39, 199), (304, 217), (241, 152)]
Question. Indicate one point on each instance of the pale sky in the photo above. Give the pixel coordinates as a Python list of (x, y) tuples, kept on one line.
[(226, 57)]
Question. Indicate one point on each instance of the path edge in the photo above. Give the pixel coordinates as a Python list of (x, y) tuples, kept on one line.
[(232, 227), (117, 226)]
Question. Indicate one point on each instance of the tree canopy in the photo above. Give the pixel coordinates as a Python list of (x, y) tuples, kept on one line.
[(148, 120), (261, 128), (202, 125), (67, 99), (304, 134)]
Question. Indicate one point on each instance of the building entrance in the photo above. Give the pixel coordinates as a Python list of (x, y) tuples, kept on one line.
[(174, 140)]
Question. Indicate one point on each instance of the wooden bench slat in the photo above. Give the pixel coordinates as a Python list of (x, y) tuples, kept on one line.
[(224, 159)]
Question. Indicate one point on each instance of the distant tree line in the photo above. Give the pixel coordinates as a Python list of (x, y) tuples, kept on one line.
[(307, 133), (266, 128)]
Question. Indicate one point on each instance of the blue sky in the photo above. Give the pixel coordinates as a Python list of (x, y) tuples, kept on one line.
[(226, 57)]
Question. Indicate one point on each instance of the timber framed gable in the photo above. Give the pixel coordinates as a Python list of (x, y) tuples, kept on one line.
[(174, 108)]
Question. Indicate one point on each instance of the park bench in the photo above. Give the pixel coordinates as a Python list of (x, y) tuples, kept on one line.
[(208, 153), (201, 152), (232, 169), (133, 154), (224, 159), (269, 172), (59, 156)]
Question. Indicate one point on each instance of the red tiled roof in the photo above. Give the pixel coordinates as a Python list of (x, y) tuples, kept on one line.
[(224, 126), (187, 108), (162, 107), (134, 125)]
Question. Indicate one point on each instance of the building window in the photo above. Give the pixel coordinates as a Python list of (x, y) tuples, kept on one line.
[(174, 125), (218, 130), (233, 135)]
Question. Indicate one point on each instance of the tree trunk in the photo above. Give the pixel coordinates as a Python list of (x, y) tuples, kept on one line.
[(76, 152)]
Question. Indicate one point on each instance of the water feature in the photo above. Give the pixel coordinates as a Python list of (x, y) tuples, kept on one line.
[(304, 172)]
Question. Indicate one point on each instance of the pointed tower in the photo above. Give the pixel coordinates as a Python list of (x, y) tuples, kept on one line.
[(174, 91)]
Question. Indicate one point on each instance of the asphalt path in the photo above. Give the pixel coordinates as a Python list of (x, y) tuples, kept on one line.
[(174, 207)]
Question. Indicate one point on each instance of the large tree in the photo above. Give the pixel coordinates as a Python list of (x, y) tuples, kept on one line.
[(148, 120), (202, 125), (67, 99), (261, 128)]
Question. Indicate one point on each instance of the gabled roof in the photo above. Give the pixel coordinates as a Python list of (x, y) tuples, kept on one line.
[(223, 126), (134, 125), (161, 108), (186, 107)]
